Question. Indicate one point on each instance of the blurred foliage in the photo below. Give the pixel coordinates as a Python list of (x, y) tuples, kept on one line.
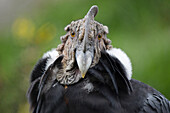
[(140, 28)]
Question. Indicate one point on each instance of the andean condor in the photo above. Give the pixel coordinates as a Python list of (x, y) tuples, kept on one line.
[(85, 74)]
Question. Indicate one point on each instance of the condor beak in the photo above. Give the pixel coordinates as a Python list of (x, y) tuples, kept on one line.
[(84, 61), (84, 55)]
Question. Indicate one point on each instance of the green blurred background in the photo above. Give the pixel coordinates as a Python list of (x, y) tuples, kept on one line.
[(28, 28)]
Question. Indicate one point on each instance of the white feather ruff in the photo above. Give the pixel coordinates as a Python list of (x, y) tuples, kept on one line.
[(123, 58), (52, 55)]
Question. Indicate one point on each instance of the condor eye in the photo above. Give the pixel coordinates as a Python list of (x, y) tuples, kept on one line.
[(99, 36), (72, 34)]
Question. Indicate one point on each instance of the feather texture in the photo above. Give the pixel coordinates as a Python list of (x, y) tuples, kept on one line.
[(131, 96)]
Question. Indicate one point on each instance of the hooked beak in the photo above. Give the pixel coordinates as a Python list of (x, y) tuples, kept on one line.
[(84, 61), (84, 56)]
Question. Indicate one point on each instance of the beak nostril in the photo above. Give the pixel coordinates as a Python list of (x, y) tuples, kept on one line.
[(84, 46), (84, 51)]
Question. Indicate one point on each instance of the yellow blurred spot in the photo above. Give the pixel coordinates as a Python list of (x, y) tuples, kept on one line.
[(23, 29), (45, 33), (65, 87), (83, 75)]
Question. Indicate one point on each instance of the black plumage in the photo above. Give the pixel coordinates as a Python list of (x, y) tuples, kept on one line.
[(112, 92), (85, 74)]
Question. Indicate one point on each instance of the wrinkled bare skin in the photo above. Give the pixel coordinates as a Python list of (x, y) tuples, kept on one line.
[(70, 43)]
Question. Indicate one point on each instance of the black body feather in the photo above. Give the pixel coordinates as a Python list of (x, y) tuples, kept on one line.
[(112, 92)]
